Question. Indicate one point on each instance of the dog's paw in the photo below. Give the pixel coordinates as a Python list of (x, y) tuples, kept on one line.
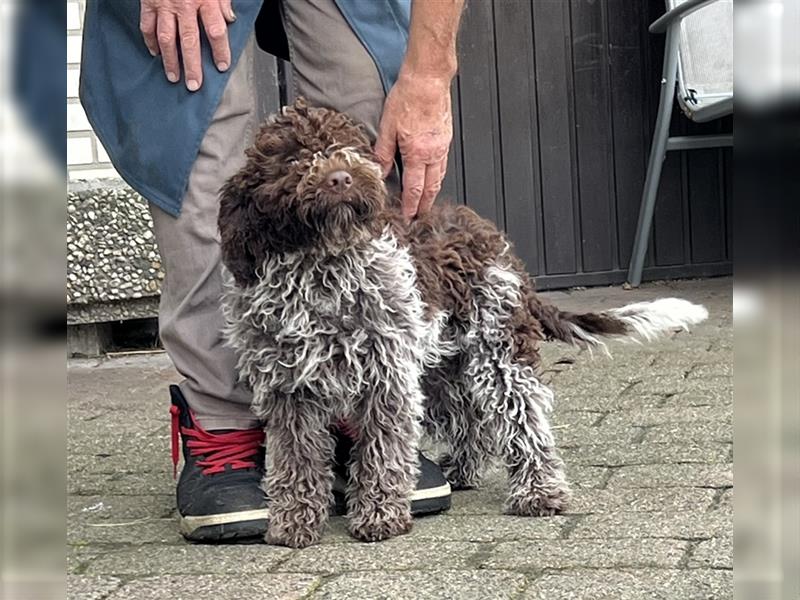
[(293, 536), (380, 525), (539, 503)]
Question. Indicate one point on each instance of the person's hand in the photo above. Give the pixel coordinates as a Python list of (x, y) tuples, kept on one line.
[(417, 119), (167, 23)]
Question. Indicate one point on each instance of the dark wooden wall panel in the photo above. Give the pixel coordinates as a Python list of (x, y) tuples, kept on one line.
[(629, 118), (516, 91), (553, 112), (551, 47), (479, 119), (593, 134)]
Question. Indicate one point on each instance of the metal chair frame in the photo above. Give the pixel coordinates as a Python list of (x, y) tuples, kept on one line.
[(669, 23)]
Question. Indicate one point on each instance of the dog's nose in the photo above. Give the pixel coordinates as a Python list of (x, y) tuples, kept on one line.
[(339, 181)]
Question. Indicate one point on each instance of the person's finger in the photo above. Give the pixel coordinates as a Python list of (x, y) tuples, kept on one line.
[(166, 32), (434, 175), (385, 147), (413, 184), (147, 25), (190, 49), (227, 10), (217, 32)]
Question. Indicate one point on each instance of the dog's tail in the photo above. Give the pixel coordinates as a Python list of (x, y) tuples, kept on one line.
[(642, 320)]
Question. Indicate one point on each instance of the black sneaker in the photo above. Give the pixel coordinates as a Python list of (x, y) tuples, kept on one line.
[(431, 496), (219, 491)]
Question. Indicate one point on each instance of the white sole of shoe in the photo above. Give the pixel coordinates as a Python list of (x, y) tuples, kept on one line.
[(190, 524)]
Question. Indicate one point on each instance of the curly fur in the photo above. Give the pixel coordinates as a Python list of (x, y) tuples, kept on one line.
[(339, 310)]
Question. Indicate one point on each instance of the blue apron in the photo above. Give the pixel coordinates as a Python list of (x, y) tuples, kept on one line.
[(152, 129)]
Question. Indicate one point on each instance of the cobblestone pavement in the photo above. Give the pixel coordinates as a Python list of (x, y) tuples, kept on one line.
[(647, 441)]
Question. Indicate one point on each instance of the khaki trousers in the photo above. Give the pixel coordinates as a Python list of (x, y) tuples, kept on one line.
[(330, 68)]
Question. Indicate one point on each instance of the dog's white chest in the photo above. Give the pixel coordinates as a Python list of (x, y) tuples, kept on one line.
[(330, 324)]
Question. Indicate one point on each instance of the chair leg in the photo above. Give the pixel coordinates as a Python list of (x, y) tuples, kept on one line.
[(655, 162)]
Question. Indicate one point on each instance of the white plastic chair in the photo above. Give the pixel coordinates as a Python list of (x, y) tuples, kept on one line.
[(698, 70)]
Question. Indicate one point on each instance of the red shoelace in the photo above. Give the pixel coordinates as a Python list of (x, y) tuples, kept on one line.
[(235, 448)]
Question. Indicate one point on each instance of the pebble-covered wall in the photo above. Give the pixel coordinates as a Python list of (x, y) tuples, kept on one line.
[(114, 270)]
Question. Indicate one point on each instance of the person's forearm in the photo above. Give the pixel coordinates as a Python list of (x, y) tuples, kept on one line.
[(432, 38)]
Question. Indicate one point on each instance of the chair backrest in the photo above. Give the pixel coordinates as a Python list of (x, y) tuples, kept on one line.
[(705, 66)]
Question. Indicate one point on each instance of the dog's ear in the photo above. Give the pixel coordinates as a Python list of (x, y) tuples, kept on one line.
[(237, 224), (257, 219)]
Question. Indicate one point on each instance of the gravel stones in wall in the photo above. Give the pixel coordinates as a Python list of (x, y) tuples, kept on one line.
[(111, 250)]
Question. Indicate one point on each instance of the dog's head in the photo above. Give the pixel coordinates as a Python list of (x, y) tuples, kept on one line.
[(310, 182)]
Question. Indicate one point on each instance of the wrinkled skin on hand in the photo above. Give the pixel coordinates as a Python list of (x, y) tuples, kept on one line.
[(167, 25), (417, 120)]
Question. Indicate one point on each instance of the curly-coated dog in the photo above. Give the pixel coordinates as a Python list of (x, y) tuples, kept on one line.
[(338, 309)]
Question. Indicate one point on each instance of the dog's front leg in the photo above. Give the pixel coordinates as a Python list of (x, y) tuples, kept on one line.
[(298, 473), (384, 466)]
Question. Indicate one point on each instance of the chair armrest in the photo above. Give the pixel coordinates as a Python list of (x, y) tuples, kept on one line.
[(676, 15)]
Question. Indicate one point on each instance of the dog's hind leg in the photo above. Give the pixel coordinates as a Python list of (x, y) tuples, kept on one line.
[(453, 418), (383, 468), (299, 476), (511, 398)]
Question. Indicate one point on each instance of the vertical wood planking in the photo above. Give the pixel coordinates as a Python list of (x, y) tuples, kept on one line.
[(553, 112), (705, 209), (516, 93), (481, 148), (727, 155), (593, 135), (668, 231), (453, 184), (555, 147), (628, 102)]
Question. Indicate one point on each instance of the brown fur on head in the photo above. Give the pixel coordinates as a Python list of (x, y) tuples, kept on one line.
[(278, 202)]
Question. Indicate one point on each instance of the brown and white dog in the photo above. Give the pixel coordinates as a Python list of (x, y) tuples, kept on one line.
[(337, 309)]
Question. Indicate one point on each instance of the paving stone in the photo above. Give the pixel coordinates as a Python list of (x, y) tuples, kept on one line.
[(663, 450), (640, 500), (580, 435), (669, 414), (487, 528), (645, 454), (668, 384), (716, 553), (698, 399), (143, 531), (431, 585), (726, 500), (569, 400), (79, 557), (121, 519), (107, 508), (396, 554), (686, 433), (153, 458), (189, 559), (697, 524), (685, 360), (586, 476), (218, 587), (629, 585), (152, 443), (592, 377), (120, 483), (83, 587), (686, 475), (586, 418), (572, 553)]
